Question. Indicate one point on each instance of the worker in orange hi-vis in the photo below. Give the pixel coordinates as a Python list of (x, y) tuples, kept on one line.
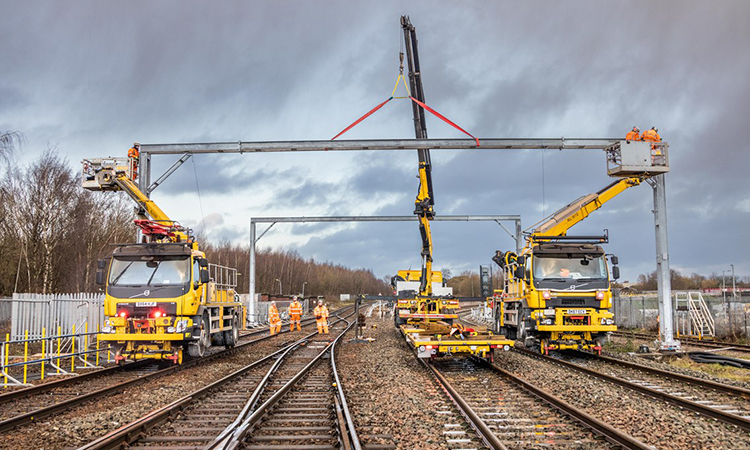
[(295, 314), (134, 155), (273, 318), (652, 135), (633, 135), (321, 317)]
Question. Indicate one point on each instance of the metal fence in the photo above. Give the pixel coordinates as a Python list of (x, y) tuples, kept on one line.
[(55, 314), (260, 317), (731, 315)]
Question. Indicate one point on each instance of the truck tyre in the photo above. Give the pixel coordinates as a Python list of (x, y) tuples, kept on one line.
[(232, 336), (197, 348)]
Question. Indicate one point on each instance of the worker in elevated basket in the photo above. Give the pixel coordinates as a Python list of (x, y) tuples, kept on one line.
[(273, 318), (633, 135), (295, 314), (134, 155), (652, 135), (321, 317)]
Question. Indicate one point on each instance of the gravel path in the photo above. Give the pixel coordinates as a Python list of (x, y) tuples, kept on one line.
[(95, 419), (392, 397), (651, 421)]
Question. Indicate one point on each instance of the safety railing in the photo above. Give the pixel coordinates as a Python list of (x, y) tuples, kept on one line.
[(224, 277), (22, 359)]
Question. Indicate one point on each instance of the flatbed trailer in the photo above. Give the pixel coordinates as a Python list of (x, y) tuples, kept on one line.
[(436, 343)]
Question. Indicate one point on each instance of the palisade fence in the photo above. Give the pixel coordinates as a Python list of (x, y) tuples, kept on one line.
[(732, 315), (55, 314), (260, 318)]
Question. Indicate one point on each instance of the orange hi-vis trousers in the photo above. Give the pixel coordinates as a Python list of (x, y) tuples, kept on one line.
[(295, 319), (275, 327), (323, 325)]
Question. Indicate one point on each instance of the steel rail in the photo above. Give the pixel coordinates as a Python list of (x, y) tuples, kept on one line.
[(731, 419), (609, 432), (342, 400), (45, 387), (381, 144), (130, 433), (483, 431), (734, 390), (75, 401), (241, 432)]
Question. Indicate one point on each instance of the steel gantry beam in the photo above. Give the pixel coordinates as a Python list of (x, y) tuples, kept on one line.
[(379, 144), (518, 236)]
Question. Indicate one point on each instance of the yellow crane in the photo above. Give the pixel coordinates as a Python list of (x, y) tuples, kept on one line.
[(162, 296)]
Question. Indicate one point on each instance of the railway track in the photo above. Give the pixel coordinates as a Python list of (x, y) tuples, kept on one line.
[(511, 413), (289, 399), (735, 347), (725, 403), (31, 404)]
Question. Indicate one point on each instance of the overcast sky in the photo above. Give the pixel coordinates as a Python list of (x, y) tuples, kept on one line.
[(92, 77)]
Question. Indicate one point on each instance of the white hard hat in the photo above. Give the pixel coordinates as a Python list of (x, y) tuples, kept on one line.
[(273, 302), (320, 301), (136, 144), (294, 298)]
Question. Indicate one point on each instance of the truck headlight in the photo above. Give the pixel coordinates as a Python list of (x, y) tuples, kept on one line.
[(106, 328), (170, 329), (548, 321), (180, 326), (108, 323), (610, 321), (603, 321), (421, 348)]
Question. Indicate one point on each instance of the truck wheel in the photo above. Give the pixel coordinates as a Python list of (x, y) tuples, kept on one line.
[(232, 336), (198, 348)]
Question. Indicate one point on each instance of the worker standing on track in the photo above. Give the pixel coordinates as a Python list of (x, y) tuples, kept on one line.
[(295, 314), (134, 155), (273, 318), (633, 135), (321, 317)]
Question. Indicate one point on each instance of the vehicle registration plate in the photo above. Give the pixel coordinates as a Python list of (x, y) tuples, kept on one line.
[(141, 304), (576, 311), (403, 311)]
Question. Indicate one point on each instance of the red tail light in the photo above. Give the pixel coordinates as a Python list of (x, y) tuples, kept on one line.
[(157, 314), (123, 314)]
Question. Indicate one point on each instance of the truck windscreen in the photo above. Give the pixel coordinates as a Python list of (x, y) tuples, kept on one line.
[(156, 272), (576, 268)]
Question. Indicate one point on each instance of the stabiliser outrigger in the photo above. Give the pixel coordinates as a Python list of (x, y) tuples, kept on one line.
[(557, 293), (425, 318), (162, 295)]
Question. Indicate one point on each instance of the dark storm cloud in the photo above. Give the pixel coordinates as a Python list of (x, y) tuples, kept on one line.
[(92, 77)]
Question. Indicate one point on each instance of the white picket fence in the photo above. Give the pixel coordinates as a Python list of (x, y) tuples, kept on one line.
[(52, 312)]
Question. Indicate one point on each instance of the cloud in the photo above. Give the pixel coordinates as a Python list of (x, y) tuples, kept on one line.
[(93, 77)]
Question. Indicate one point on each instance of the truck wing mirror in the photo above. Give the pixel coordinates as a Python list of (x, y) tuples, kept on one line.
[(615, 260), (100, 277), (203, 262), (204, 277), (521, 260), (101, 264), (519, 272), (615, 272)]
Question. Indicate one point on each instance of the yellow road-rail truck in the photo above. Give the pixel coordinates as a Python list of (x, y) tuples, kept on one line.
[(557, 290), (162, 296)]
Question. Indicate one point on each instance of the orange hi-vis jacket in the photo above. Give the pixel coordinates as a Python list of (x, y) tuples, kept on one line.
[(273, 314), (322, 312), (633, 136), (134, 153), (295, 309), (651, 136)]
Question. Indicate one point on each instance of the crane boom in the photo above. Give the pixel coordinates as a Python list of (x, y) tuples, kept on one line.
[(112, 174), (558, 223), (423, 205)]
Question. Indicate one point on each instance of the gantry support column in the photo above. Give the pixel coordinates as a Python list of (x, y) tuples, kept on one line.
[(663, 278)]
